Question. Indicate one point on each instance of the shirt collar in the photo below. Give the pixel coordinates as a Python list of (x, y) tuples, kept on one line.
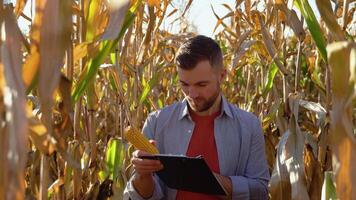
[(183, 109), (185, 112)]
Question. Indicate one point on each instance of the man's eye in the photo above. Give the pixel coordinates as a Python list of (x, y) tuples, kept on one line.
[(202, 85)]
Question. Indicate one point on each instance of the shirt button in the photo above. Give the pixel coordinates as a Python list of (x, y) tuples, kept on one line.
[(189, 131)]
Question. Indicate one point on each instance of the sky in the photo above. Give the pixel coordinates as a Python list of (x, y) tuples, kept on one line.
[(200, 14)]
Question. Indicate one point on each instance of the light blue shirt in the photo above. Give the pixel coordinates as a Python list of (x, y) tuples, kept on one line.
[(239, 142)]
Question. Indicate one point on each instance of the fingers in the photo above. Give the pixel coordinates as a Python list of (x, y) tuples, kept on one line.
[(153, 142), (138, 154), (146, 163), (147, 169), (145, 166)]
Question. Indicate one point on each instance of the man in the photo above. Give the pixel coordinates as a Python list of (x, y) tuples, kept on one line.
[(204, 123)]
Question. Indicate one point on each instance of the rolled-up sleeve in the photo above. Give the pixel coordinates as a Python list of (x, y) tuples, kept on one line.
[(254, 183), (131, 193)]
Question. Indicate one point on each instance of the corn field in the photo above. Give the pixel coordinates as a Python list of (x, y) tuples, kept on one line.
[(87, 69)]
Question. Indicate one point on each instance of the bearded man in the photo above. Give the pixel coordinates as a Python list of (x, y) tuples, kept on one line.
[(204, 123)]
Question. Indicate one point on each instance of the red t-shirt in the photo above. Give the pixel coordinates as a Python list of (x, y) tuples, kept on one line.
[(202, 143)]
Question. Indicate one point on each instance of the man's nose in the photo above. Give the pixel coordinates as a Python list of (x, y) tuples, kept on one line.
[(193, 92)]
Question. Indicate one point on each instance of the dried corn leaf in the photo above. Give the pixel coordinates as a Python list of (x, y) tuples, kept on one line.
[(293, 21), (20, 5), (187, 7), (289, 168), (55, 36), (313, 172), (30, 68), (328, 16), (15, 142), (342, 60), (39, 136), (271, 47), (279, 185), (84, 49), (2, 82), (172, 12), (155, 3), (118, 10), (294, 154), (32, 62), (243, 48), (221, 22)]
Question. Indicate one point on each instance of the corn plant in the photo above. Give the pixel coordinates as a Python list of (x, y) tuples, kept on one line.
[(88, 69)]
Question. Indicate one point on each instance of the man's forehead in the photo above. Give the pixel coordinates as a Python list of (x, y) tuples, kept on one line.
[(203, 66), (194, 82), (194, 78)]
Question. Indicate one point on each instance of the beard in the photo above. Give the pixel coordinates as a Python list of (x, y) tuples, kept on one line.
[(201, 104)]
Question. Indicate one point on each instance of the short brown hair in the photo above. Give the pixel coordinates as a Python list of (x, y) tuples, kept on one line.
[(199, 48)]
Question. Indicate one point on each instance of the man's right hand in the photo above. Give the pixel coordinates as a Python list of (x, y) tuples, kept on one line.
[(144, 169)]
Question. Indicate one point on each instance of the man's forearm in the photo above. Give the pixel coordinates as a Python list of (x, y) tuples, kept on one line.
[(144, 185)]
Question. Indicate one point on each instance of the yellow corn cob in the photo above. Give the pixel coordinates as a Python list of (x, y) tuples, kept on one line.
[(139, 141)]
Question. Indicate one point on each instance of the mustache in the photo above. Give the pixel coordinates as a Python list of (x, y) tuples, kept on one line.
[(195, 99)]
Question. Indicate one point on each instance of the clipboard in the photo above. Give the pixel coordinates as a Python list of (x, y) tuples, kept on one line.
[(187, 173)]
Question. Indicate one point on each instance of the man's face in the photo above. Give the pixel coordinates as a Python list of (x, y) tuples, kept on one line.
[(201, 85)]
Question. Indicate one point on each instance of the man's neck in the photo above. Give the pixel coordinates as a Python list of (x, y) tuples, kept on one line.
[(213, 109)]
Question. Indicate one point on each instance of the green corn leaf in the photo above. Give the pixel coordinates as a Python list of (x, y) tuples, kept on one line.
[(148, 87), (93, 12), (129, 18), (107, 47), (92, 69), (316, 79), (113, 160), (160, 104), (273, 69), (328, 190), (112, 58), (313, 26), (114, 157)]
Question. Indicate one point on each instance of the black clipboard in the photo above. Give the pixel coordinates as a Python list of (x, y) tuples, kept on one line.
[(188, 173)]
